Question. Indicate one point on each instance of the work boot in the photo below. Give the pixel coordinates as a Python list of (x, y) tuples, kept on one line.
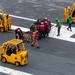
[(38, 47), (67, 28), (58, 35), (32, 45), (71, 30)]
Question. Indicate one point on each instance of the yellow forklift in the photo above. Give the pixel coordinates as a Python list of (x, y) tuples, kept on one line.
[(5, 21), (14, 52), (69, 11)]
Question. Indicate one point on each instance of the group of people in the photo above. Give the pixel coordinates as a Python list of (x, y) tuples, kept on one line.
[(69, 20), (27, 36), (40, 29), (43, 26)]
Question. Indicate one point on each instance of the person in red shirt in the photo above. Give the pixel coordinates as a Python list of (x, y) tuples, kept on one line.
[(18, 33), (42, 30), (35, 39), (48, 22)]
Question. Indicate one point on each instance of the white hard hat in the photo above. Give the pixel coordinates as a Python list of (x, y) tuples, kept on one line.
[(42, 23), (45, 21), (45, 18)]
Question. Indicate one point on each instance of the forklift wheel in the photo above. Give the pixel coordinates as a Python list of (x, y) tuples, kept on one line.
[(17, 63), (2, 29), (3, 59)]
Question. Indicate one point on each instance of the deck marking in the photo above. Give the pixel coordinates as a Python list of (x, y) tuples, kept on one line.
[(12, 71)]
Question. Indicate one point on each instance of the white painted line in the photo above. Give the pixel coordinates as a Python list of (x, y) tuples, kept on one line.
[(13, 27), (51, 9), (22, 18), (12, 71)]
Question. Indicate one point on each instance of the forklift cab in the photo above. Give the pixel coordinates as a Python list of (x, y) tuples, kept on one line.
[(14, 52), (11, 49)]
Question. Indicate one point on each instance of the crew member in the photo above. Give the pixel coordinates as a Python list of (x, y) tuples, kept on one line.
[(48, 21), (42, 30), (35, 39), (18, 33), (32, 28), (59, 26), (69, 23)]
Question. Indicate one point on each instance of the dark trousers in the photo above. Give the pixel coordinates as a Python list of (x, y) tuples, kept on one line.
[(47, 32), (59, 30), (42, 34), (19, 36), (69, 26)]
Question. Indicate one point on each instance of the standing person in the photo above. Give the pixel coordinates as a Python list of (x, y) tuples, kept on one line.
[(18, 33), (35, 39), (42, 30), (48, 21), (32, 27), (69, 23), (59, 26)]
